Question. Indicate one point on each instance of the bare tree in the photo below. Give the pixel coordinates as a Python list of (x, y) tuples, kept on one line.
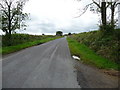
[(113, 4), (102, 6)]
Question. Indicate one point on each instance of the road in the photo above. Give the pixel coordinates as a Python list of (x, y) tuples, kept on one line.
[(48, 65)]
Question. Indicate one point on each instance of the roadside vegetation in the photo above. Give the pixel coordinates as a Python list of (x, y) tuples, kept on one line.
[(97, 48), (21, 41)]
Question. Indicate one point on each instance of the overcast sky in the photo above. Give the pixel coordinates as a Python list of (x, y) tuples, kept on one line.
[(49, 16)]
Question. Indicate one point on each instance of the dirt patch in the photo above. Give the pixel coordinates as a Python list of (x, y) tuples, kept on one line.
[(112, 72), (90, 77)]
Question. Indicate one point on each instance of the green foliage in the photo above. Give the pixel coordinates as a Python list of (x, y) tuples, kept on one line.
[(12, 15), (107, 28), (104, 44), (21, 41), (21, 38), (59, 33), (88, 56), (69, 34)]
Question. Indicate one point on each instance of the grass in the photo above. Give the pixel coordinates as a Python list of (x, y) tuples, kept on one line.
[(88, 56), (104, 44), (17, 39), (10, 49)]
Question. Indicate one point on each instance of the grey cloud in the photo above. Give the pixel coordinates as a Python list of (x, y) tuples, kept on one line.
[(44, 25), (47, 27)]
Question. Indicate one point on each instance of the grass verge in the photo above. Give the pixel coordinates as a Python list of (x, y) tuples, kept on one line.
[(10, 49), (90, 57)]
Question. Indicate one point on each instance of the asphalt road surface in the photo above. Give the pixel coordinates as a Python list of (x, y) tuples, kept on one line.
[(44, 66)]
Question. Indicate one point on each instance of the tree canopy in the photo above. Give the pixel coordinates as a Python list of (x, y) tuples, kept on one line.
[(12, 15), (59, 33)]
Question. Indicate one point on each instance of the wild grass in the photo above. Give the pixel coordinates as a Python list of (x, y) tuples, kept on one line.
[(88, 56), (22, 41), (105, 44)]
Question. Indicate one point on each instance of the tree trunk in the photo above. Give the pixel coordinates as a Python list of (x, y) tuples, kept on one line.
[(103, 14), (9, 27), (9, 20), (112, 15)]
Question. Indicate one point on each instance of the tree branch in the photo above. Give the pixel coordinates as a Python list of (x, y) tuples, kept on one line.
[(108, 4), (3, 9), (12, 16), (85, 9), (117, 4), (96, 3), (6, 2)]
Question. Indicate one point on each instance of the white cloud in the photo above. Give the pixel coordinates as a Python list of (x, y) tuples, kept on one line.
[(48, 16)]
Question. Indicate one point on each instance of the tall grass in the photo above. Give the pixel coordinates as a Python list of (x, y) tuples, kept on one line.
[(104, 44), (89, 56)]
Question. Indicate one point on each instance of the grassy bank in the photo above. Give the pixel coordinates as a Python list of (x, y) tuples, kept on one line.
[(17, 39), (24, 41), (104, 44), (88, 56)]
